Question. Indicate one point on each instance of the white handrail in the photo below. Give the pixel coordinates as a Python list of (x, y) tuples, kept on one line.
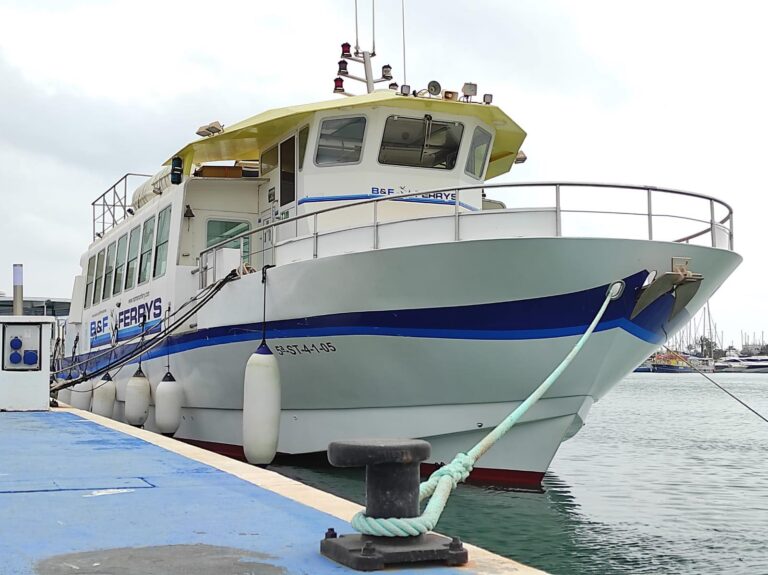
[(712, 225)]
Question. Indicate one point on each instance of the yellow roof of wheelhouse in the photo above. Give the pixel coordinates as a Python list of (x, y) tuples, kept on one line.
[(245, 140)]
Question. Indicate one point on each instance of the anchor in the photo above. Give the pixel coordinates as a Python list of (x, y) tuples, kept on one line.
[(681, 282)]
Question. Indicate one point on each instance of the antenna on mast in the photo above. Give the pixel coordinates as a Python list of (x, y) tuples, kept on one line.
[(362, 57), (402, 18)]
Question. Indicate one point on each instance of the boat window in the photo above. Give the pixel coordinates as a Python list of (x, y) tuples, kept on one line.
[(478, 153), (288, 171), (161, 243), (122, 243), (269, 160), (303, 138), (108, 271), (147, 235), (220, 230), (99, 277), (133, 258), (420, 142), (340, 141), (89, 281)]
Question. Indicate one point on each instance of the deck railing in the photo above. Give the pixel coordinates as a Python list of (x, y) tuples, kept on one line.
[(716, 229), (111, 207)]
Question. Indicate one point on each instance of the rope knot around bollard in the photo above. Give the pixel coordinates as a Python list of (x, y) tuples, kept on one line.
[(457, 470)]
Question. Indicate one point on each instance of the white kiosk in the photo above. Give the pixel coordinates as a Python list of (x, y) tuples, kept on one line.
[(25, 345), (25, 372)]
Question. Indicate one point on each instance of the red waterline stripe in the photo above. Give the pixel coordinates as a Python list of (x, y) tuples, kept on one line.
[(528, 480)]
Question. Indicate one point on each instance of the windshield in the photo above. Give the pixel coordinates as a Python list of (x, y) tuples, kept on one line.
[(420, 142)]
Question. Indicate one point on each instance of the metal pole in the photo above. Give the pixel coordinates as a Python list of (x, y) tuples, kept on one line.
[(558, 213), (650, 215), (368, 71), (712, 222), (18, 289), (456, 215), (375, 225), (314, 240), (730, 234)]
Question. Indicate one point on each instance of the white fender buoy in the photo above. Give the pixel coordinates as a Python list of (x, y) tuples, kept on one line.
[(168, 400), (104, 396), (80, 397), (137, 396), (65, 395), (261, 406)]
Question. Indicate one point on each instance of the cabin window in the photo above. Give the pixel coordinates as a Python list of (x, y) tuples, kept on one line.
[(220, 230), (288, 171), (269, 160), (478, 153), (147, 235), (303, 139), (340, 141), (108, 271), (420, 142), (133, 258), (89, 281), (99, 277), (161, 243), (122, 244)]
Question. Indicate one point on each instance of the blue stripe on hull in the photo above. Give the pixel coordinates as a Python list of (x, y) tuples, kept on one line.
[(127, 333), (393, 197), (540, 318)]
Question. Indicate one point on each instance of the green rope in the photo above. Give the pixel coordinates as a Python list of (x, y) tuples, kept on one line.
[(443, 481)]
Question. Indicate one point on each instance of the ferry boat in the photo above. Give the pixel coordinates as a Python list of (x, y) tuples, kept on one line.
[(401, 294)]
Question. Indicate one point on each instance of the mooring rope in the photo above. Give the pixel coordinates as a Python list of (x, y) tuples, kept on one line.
[(720, 387), (442, 482)]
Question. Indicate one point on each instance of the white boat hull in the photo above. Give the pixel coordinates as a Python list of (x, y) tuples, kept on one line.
[(433, 341)]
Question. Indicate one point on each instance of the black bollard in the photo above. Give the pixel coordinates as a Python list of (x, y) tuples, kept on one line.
[(391, 490), (391, 472)]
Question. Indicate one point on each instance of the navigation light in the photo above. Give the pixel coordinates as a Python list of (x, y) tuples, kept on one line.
[(338, 85)]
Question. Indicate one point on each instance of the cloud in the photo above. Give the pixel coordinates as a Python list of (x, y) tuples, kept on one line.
[(653, 93)]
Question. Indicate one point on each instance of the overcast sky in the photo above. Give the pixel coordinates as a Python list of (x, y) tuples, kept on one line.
[(663, 93)]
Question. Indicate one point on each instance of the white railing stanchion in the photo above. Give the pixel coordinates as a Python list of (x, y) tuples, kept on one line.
[(272, 239), (730, 232), (456, 235), (314, 236), (650, 214), (558, 213), (712, 223), (375, 225)]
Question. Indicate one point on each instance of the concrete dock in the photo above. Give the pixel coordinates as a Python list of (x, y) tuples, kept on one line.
[(81, 494)]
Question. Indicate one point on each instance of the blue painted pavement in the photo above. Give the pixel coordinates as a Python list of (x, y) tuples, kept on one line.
[(51, 463)]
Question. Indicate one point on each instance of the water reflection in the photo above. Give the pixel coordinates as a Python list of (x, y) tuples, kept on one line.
[(668, 476)]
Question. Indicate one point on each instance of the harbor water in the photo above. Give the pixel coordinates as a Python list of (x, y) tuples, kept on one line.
[(670, 475)]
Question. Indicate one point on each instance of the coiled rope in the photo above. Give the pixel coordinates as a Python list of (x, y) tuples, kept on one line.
[(443, 481)]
